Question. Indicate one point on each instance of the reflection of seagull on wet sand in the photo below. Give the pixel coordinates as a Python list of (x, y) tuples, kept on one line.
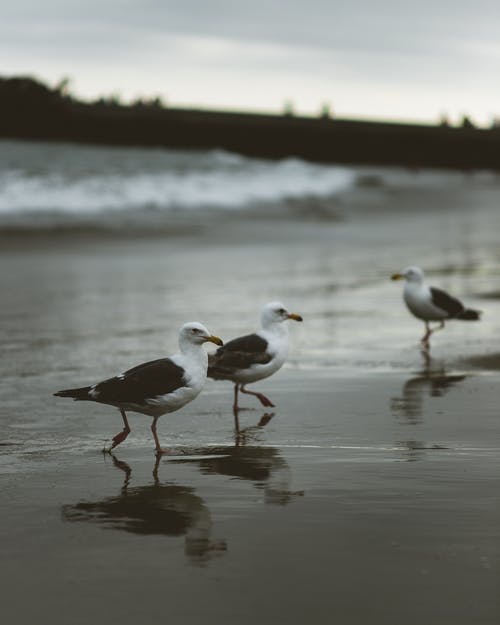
[(165, 509), (157, 387), (431, 304), (435, 381), (264, 466), (255, 356)]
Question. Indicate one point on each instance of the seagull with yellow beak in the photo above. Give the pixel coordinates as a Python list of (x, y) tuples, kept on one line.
[(156, 387), (253, 357), (431, 304)]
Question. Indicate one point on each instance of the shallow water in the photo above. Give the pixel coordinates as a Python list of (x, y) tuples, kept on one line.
[(371, 493)]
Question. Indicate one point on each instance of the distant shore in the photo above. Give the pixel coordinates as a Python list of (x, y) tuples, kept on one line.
[(31, 110)]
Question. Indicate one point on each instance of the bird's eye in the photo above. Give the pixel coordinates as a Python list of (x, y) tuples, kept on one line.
[(195, 331), (281, 311)]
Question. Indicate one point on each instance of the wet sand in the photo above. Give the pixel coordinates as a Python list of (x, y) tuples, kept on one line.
[(369, 496), (362, 499)]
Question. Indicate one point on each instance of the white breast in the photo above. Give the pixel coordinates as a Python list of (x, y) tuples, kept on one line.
[(418, 299)]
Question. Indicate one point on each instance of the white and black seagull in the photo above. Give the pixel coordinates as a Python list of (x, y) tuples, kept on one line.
[(255, 356), (156, 387), (430, 304)]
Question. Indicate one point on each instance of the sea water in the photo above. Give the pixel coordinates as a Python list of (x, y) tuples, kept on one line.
[(48, 184)]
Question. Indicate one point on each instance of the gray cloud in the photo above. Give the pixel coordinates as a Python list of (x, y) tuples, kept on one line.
[(435, 45), (385, 24)]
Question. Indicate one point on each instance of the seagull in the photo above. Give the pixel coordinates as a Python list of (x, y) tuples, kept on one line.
[(430, 304), (255, 356), (156, 387)]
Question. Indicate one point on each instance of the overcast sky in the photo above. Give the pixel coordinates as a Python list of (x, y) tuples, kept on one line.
[(367, 58)]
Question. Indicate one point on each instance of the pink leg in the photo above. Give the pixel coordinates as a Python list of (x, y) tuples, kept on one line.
[(236, 408), (425, 339), (265, 401), (159, 450), (121, 436), (235, 400)]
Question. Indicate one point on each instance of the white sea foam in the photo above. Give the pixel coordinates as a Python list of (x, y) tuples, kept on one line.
[(82, 180)]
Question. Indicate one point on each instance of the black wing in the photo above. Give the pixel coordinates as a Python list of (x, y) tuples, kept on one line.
[(446, 302), (136, 385), (240, 353)]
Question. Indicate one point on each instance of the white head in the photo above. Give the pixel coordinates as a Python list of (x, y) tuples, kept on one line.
[(195, 333), (274, 313), (410, 274)]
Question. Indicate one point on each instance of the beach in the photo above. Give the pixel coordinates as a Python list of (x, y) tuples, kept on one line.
[(369, 494)]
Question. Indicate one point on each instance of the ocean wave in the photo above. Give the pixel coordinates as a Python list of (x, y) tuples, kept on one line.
[(41, 179), (68, 186)]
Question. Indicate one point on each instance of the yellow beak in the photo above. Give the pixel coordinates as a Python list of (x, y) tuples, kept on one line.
[(295, 317), (397, 276), (214, 339)]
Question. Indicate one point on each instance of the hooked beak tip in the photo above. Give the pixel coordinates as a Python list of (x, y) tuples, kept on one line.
[(215, 339)]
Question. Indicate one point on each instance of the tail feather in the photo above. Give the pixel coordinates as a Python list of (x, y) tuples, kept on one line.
[(468, 314), (75, 393)]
